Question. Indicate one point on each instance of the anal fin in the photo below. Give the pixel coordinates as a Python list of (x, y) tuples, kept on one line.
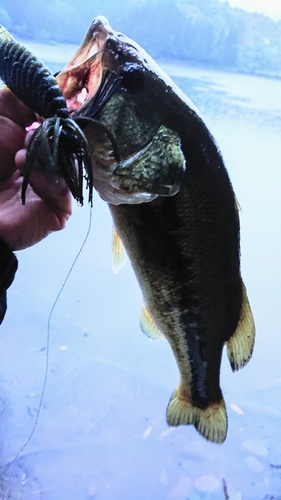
[(241, 343), (210, 422), (148, 326), (118, 252)]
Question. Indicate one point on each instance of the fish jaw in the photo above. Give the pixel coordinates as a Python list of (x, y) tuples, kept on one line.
[(81, 77), (102, 49)]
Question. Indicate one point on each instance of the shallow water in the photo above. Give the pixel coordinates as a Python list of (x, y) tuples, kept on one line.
[(101, 433)]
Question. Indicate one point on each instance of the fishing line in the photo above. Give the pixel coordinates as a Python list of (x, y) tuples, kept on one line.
[(38, 412)]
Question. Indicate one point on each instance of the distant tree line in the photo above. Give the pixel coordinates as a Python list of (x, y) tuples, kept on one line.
[(202, 33)]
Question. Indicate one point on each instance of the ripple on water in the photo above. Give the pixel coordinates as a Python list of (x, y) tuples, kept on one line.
[(254, 464), (207, 483), (257, 446)]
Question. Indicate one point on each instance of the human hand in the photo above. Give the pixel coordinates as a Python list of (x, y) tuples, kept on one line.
[(48, 205)]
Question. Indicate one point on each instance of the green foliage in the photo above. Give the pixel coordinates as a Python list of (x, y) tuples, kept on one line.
[(211, 33), (203, 33)]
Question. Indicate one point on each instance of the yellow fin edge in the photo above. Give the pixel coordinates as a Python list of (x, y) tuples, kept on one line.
[(118, 252), (211, 422), (148, 325), (241, 344)]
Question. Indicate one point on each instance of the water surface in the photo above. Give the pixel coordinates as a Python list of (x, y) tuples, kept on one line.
[(101, 433)]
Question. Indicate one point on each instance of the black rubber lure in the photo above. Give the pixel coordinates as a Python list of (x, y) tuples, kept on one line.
[(60, 141)]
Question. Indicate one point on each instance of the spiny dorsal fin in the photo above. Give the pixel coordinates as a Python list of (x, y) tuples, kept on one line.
[(211, 422), (241, 343), (118, 252), (147, 324)]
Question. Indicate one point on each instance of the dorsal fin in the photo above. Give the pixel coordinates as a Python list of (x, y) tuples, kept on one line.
[(118, 252), (241, 343), (147, 324)]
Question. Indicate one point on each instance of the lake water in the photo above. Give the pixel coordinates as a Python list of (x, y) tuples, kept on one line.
[(101, 433)]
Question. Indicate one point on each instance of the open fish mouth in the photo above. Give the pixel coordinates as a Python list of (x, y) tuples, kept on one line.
[(97, 64), (82, 76)]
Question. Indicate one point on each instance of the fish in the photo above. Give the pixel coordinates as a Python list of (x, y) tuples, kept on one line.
[(58, 144), (158, 167)]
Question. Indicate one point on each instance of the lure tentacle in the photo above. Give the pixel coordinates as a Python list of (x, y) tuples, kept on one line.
[(58, 146), (83, 121)]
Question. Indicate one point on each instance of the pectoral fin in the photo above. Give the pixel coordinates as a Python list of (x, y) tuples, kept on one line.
[(241, 343), (118, 252), (211, 422), (148, 326)]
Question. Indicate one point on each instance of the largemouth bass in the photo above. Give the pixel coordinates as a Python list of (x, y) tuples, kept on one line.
[(173, 206)]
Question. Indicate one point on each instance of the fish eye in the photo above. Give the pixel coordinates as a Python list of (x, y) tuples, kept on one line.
[(132, 76)]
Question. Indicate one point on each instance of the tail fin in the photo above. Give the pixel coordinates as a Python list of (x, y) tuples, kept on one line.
[(241, 343), (211, 423)]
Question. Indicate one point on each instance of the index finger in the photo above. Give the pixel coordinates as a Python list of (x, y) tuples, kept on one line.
[(14, 109), (14, 118)]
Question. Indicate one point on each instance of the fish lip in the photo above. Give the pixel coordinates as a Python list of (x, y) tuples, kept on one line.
[(92, 44), (82, 75), (102, 49)]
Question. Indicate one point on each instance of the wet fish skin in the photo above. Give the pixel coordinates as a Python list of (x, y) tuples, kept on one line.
[(151, 171), (185, 248)]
